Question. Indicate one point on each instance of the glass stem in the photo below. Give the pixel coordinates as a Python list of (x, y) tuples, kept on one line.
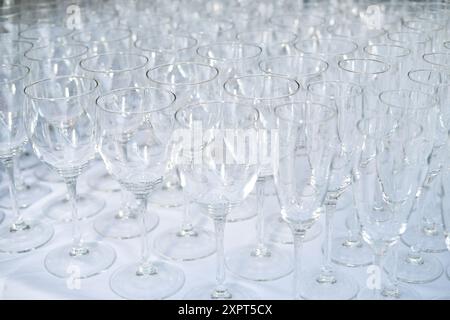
[(327, 274), (77, 239), (298, 246), (20, 184), (186, 224), (379, 286), (18, 224), (146, 267), (261, 249), (220, 291)]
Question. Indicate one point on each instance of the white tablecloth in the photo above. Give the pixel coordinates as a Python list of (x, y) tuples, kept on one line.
[(25, 277)]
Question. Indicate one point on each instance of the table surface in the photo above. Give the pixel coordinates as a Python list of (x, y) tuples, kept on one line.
[(24, 276)]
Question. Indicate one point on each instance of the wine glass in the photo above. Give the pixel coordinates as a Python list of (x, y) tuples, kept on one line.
[(347, 98), (307, 134), (60, 123), (417, 42), (274, 42), (207, 30), (114, 71), (191, 82), (134, 127), (44, 33), (17, 235), (260, 260), (305, 25), (219, 180), (104, 40)]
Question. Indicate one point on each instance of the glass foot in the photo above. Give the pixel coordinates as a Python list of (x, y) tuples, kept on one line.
[(259, 265), (168, 196), (423, 269), (59, 209), (402, 293), (118, 225), (185, 245), (101, 180), (432, 241), (278, 231), (162, 282), (334, 287), (92, 259), (233, 291), (44, 173), (20, 238), (245, 211), (350, 253), (30, 194)]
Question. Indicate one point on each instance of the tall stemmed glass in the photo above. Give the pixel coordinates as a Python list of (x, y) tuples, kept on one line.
[(18, 235), (307, 135), (115, 71), (219, 181), (417, 42), (134, 127), (192, 82), (260, 260), (391, 166), (347, 98), (433, 29), (415, 266), (60, 124)]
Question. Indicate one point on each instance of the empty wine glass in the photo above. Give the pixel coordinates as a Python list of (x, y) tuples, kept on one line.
[(18, 235), (305, 25), (307, 134), (191, 82), (219, 181), (60, 124), (274, 42), (417, 42), (104, 40), (134, 127), (44, 33)]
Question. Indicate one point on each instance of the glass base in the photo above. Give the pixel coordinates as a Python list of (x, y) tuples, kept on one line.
[(129, 283), (233, 291), (180, 245), (118, 225), (350, 253), (243, 212), (60, 209), (259, 265), (23, 238), (335, 287), (101, 180), (30, 194), (89, 261), (168, 196), (424, 269), (44, 173), (432, 241), (403, 293), (27, 161), (278, 231)]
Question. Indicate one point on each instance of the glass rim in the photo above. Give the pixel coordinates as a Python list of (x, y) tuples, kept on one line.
[(85, 51), (437, 25), (427, 83), (216, 73), (232, 43), (129, 89), (26, 71), (359, 89), (128, 35), (381, 98), (386, 69), (333, 111), (426, 55), (222, 102), (325, 65), (262, 30), (83, 61), (185, 36), (348, 41), (27, 88), (265, 75), (407, 50), (387, 134), (421, 34)]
